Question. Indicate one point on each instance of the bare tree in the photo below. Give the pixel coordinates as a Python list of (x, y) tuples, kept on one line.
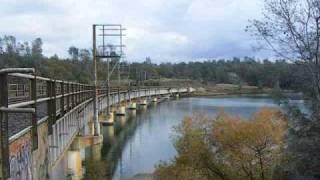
[(291, 28)]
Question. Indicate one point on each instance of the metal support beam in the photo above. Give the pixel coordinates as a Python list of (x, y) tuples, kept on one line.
[(79, 95), (72, 96), (49, 107), (4, 139), (54, 102), (34, 122), (62, 99), (68, 97), (95, 103)]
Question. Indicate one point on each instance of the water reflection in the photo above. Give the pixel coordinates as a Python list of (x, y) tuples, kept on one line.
[(142, 138)]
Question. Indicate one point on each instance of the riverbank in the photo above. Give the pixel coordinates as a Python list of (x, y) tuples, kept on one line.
[(220, 90), (228, 89)]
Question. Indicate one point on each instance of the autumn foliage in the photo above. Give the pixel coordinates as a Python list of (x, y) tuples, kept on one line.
[(228, 148)]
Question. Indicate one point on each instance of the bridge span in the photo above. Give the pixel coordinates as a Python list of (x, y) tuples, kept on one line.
[(41, 117)]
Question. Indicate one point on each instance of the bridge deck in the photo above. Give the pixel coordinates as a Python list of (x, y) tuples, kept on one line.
[(62, 110)]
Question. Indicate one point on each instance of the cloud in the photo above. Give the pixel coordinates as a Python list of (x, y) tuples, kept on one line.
[(163, 30)]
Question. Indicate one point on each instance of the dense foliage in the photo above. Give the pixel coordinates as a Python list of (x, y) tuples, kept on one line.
[(228, 148)]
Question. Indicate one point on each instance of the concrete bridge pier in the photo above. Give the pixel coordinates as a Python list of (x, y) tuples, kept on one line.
[(132, 105), (155, 99), (90, 129), (74, 157), (121, 105), (95, 152), (107, 118), (121, 110), (74, 165), (143, 102)]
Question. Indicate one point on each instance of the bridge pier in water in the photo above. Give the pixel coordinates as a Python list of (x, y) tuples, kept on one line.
[(74, 165), (121, 110), (143, 102), (155, 99), (132, 105)]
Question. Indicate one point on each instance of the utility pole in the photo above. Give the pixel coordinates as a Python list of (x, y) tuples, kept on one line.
[(119, 76), (108, 86), (121, 53), (95, 102)]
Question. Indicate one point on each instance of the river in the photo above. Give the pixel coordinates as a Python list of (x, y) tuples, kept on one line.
[(139, 141)]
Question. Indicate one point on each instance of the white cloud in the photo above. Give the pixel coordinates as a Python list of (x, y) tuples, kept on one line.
[(161, 29)]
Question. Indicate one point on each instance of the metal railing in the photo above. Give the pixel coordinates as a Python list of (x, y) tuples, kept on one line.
[(65, 106)]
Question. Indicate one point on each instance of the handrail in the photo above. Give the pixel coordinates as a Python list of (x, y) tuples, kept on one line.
[(71, 97)]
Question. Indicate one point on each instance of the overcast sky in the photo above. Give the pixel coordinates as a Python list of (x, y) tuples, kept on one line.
[(165, 30)]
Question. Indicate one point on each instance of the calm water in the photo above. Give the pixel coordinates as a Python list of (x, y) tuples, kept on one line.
[(137, 142)]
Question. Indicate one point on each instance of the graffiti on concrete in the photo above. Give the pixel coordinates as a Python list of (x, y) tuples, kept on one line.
[(20, 159), (42, 156)]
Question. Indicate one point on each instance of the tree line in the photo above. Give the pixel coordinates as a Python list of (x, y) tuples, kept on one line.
[(78, 67)]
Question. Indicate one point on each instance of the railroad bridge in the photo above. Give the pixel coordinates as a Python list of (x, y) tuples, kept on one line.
[(42, 118)]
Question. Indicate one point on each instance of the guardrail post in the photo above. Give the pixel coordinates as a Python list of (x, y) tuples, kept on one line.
[(4, 144), (75, 95), (86, 88), (34, 122), (54, 102), (49, 107), (62, 99), (82, 95), (72, 96), (68, 96), (78, 94)]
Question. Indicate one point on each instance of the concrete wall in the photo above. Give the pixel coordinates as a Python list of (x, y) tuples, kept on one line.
[(20, 158), (40, 156), (25, 164)]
